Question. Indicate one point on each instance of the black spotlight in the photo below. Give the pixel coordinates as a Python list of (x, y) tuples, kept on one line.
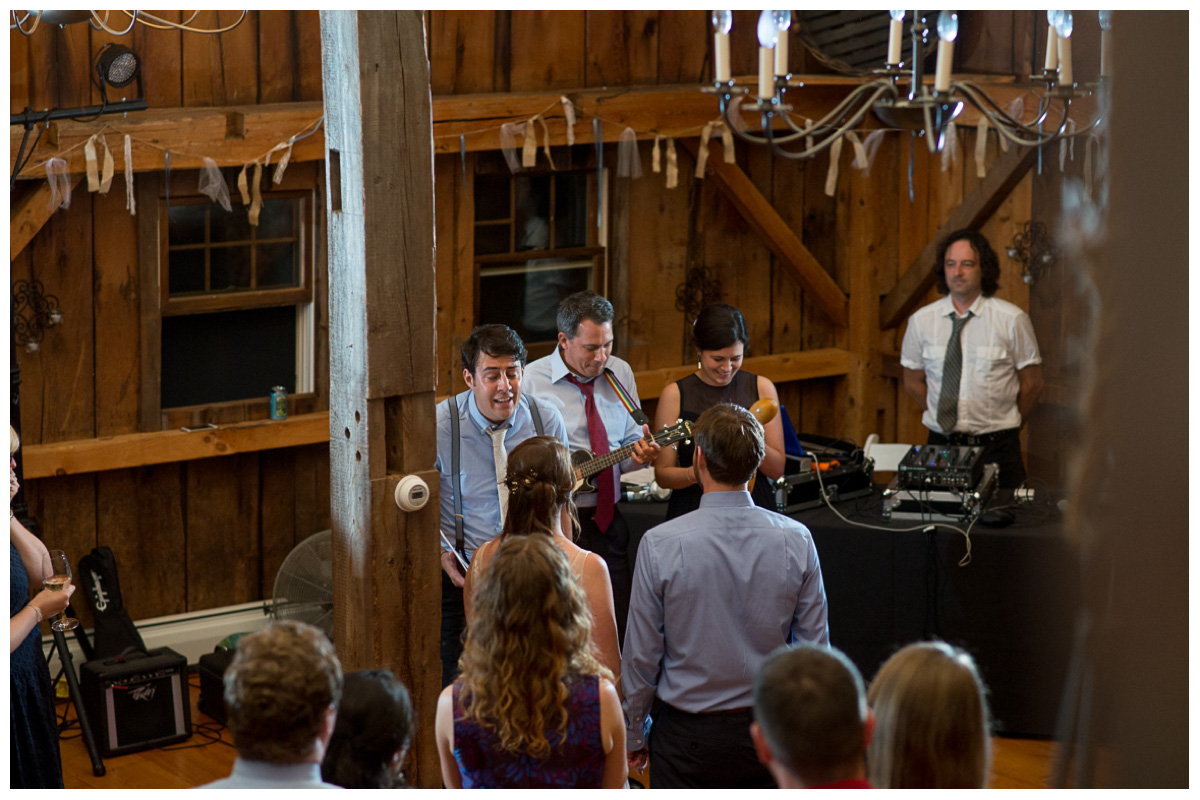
[(118, 66)]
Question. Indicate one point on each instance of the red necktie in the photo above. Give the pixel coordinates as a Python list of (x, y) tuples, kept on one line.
[(598, 438)]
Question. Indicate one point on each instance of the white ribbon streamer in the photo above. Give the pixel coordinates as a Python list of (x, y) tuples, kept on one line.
[(283, 163), (212, 183), (130, 201), (871, 145), (835, 155), (508, 144), (529, 151), (672, 165), (243, 190), (981, 147), (629, 161), (702, 153), (256, 194), (950, 148), (106, 174), (860, 155), (727, 144), (60, 184), (546, 141), (1062, 146), (569, 114), (89, 154), (656, 154)]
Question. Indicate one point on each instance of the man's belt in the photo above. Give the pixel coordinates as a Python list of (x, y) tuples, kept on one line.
[(977, 439)]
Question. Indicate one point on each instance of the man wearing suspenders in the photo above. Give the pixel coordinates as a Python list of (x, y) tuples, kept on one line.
[(475, 431)]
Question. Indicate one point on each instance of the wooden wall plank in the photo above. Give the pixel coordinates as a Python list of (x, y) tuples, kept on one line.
[(912, 215), (985, 44), (222, 514), (621, 47), (278, 503), (454, 214), (62, 261), (74, 66), (308, 36), (117, 306), (66, 510), (162, 53), (139, 514), (278, 56), (462, 51), (149, 303), (222, 69), (684, 45), (18, 72), (43, 68), (546, 51)]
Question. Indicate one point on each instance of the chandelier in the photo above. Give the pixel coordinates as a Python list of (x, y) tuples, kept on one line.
[(28, 21), (898, 96)]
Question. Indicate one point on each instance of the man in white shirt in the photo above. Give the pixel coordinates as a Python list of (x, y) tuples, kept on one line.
[(281, 696), (971, 360)]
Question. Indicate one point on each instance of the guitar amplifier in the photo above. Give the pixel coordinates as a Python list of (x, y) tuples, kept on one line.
[(137, 702), (842, 481)]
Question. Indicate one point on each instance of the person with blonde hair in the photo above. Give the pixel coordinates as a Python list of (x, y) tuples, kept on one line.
[(540, 478), (533, 708), (932, 723)]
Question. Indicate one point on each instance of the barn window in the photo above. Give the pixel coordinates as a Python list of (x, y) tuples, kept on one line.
[(236, 299), (536, 241)]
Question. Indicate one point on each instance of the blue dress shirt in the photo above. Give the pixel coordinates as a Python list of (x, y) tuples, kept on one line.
[(481, 497), (261, 775), (715, 591), (547, 378)]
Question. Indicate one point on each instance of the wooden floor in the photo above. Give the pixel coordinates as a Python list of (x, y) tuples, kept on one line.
[(1016, 763)]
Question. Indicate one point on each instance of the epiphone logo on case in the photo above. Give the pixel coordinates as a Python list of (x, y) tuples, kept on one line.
[(145, 692), (99, 593)]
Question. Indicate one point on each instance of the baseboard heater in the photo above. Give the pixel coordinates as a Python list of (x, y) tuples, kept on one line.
[(191, 635)]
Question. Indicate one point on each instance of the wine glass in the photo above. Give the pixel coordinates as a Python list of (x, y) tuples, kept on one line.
[(56, 576)]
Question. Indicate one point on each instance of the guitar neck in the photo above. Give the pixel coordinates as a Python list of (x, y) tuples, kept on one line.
[(610, 459)]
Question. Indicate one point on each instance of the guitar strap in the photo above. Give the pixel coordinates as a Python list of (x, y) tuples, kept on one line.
[(626, 399)]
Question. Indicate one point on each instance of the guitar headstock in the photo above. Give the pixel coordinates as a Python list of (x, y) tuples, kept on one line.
[(671, 435)]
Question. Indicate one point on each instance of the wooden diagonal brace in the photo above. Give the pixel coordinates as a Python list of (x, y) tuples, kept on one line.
[(972, 212), (30, 213), (758, 212)]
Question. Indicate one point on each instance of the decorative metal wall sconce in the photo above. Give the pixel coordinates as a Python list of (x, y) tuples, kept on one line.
[(699, 289), (33, 311), (1034, 250)]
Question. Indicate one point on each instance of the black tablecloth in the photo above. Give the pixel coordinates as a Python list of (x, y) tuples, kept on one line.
[(1012, 607)]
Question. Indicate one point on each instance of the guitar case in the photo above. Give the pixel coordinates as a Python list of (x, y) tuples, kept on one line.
[(114, 633)]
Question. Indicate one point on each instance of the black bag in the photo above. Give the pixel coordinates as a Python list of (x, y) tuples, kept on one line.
[(115, 633)]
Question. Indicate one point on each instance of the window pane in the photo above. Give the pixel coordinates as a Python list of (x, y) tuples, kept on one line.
[(491, 197), (276, 265), (528, 301), (277, 219), (185, 271), (229, 268), (570, 209), (492, 239), (232, 355), (186, 224), (230, 226), (533, 212)]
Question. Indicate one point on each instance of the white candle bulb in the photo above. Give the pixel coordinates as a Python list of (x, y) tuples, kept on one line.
[(783, 21), (1051, 49), (1105, 44), (947, 27), (768, 35), (895, 37), (1065, 27), (722, 22)]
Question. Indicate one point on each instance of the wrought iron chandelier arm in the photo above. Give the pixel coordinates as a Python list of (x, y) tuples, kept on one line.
[(826, 142), (102, 24), (832, 118), (1012, 130), (37, 18), (980, 98)]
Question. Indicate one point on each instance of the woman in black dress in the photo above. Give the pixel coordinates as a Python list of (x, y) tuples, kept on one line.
[(720, 338), (34, 761)]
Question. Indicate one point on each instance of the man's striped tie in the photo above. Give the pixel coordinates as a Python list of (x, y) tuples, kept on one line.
[(947, 413)]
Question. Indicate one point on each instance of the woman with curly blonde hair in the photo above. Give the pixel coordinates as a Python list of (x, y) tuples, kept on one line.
[(533, 707), (540, 479)]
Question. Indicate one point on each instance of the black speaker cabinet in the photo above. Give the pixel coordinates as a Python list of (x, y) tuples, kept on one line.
[(137, 702)]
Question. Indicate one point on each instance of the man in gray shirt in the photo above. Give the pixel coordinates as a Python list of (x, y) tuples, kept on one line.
[(714, 593)]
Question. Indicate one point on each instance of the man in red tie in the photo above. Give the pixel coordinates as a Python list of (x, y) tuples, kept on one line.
[(577, 378)]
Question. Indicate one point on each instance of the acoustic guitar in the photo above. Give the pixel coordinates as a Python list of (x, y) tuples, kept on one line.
[(588, 465)]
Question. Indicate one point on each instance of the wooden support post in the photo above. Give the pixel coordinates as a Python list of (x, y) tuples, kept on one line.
[(974, 210), (386, 576), (29, 213)]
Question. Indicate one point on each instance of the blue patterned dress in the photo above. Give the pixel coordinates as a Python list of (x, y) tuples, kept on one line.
[(576, 762), (34, 761)]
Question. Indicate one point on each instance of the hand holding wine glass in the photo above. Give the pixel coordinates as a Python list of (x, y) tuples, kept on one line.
[(56, 576)]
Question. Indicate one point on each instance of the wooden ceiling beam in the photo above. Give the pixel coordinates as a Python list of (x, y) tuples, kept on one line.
[(235, 135), (760, 215), (906, 294)]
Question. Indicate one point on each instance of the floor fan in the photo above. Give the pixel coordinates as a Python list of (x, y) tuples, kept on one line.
[(304, 585)]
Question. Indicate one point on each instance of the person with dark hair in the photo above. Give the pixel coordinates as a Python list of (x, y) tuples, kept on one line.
[(282, 691), (811, 722), (971, 361), (933, 725), (540, 479), (373, 733), (581, 378), (476, 429), (720, 338), (715, 592), (533, 707)]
